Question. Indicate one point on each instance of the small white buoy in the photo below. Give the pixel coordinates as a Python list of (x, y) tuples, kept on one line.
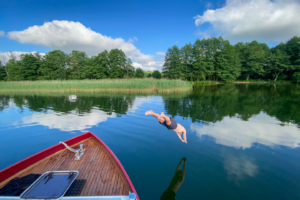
[(72, 98)]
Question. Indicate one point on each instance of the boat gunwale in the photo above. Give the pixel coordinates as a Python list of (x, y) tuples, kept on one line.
[(23, 164)]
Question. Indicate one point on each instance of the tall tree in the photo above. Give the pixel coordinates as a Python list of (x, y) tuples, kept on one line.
[(186, 57), (211, 46), (129, 68), (293, 50), (78, 64), (99, 66), (117, 62), (30, 63), (14, 70), (204, 52), (227, 63), (201, 69), (172, 65), (278, 63), (54, 65), (255, 58)]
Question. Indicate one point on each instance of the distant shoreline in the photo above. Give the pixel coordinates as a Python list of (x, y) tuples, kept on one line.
[(138, 86)]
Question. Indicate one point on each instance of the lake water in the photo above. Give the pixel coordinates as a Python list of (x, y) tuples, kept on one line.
[(243, 140)]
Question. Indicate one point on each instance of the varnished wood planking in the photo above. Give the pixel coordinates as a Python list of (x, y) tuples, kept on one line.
[(103, 175), (98, 177), (33, 169)]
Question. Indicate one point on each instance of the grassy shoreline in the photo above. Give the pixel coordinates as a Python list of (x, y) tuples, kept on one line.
[(99, 94), (95, 86)]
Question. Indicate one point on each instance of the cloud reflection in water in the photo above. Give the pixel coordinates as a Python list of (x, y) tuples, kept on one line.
[(73, 121), (239, 167), (262, 129), (68, 122)]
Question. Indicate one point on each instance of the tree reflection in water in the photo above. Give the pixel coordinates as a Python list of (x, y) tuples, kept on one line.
[(207, 103), (61, 113), (83, 104), (211, 103)]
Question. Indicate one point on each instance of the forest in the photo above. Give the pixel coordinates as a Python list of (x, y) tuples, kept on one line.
[(58, 65), (216, 59), (212, 59)]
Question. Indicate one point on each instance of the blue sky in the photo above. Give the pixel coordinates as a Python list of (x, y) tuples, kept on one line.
[(144, 28)]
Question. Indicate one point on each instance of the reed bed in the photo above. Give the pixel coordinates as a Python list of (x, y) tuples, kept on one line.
[(94, 86)]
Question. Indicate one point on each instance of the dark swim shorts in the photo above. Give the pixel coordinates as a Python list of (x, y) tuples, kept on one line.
[(168, 195), (172, 126)]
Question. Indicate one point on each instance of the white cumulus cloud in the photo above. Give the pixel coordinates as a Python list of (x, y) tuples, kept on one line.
[(262, 129), (2, 33), (209, 5), (152, 65), (69, 35), (138, 65), (247, 20), (5, 56), (160, 53)]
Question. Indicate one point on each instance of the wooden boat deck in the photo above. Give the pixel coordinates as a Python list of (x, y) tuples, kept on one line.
[(100, 170)]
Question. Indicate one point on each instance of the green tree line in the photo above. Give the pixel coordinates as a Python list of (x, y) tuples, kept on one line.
[(216, 59), (58, 65)]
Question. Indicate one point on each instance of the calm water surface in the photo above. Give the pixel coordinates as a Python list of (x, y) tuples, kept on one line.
[(243, 140)]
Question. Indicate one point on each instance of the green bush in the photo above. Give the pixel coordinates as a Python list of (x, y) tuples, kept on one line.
[(139, 73), (156, 74)]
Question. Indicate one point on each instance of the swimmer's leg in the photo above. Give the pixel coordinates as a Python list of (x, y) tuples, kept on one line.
[(184, 136), (150, 112), (179, 136)]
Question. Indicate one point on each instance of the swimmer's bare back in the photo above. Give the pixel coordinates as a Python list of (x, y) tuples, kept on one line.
[(170, 124)]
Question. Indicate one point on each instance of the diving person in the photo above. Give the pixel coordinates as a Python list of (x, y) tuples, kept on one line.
[(170, 123)]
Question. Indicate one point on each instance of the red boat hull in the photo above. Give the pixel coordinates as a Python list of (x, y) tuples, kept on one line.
[(15, 168)]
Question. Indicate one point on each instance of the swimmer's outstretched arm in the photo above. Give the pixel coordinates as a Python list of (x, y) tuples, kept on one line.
[(168, 120)]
